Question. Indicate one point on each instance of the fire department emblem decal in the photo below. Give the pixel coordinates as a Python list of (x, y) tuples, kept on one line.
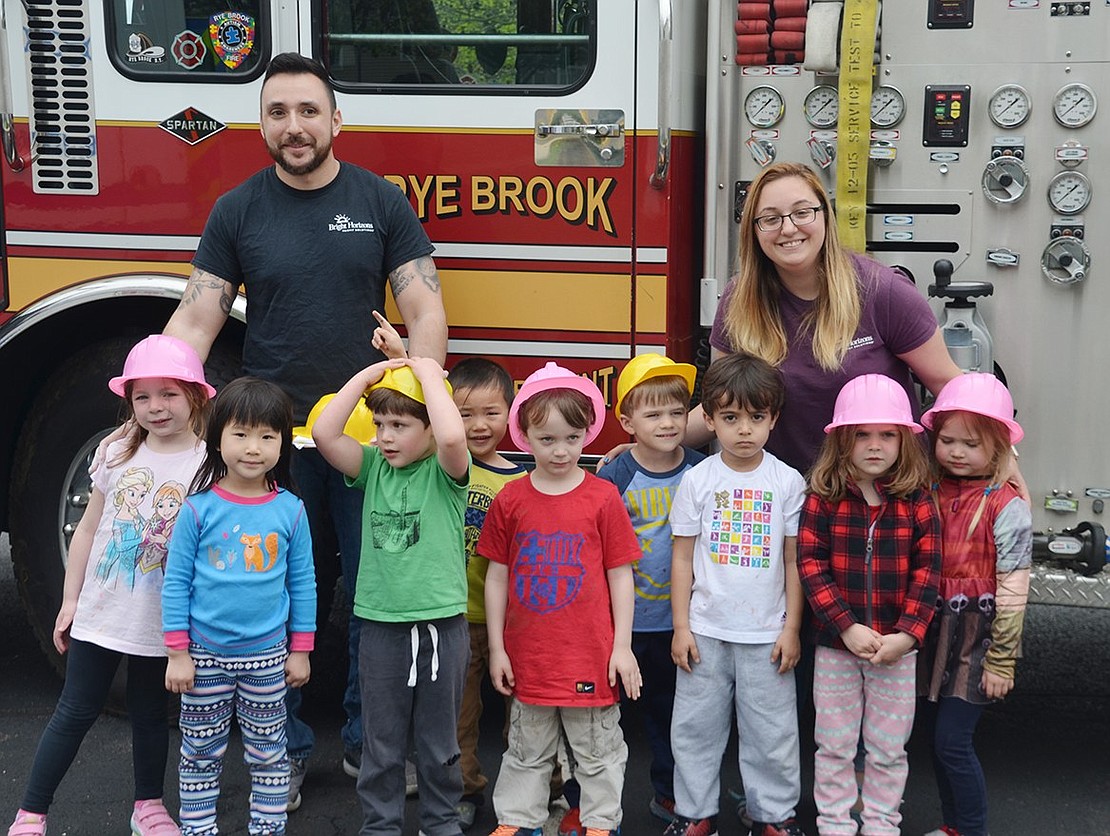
[(191, 126), (188, 49), (232, 36)]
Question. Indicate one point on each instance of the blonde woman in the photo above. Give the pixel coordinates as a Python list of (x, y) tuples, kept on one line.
[(821, 314)]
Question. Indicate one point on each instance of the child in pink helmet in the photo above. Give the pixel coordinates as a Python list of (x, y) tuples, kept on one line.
[(112, 600), (559, 605), (971, 649), (868, 555)]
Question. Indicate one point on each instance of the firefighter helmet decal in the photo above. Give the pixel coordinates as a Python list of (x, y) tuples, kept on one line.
[(141, 50)]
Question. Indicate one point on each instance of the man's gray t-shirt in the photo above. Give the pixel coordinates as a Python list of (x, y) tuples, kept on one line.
[(314, 264)]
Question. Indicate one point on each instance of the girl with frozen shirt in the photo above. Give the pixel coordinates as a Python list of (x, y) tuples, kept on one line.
[(102, 621)]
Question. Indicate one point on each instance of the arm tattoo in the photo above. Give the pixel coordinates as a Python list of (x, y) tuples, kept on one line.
[(423, 268), (200, 282), (427, 269)]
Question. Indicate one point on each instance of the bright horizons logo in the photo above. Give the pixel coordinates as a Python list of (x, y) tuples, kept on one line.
[(344, 224)]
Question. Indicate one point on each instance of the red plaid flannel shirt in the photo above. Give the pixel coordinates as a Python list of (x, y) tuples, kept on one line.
[(905, 563)]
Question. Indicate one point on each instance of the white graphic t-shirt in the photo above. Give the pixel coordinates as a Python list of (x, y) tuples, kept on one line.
[(740, 520), (120, 606)]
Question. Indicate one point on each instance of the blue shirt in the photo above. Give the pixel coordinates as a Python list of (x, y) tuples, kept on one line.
[(647, 498), (239, 575)]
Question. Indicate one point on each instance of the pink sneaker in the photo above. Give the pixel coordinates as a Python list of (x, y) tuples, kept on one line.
[(28, 824), (151, 819)]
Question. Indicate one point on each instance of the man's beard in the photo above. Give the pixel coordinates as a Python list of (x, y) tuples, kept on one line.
[(313, 163)]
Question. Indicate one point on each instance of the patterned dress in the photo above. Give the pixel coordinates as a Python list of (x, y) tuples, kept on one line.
[(987, 551)]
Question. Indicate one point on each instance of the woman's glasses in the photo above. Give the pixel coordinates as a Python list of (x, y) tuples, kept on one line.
[(799, 217)]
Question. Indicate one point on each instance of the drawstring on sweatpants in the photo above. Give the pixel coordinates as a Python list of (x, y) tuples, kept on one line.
[(414, 635)]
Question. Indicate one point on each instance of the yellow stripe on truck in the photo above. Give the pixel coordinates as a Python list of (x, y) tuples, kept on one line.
[(30, 279), (473, 298), (551, 301)]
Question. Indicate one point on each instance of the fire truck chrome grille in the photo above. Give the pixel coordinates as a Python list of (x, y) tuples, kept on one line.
[(62, 121)]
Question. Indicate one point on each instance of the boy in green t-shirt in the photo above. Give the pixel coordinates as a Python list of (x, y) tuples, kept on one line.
[(411, 589), (483, 391)]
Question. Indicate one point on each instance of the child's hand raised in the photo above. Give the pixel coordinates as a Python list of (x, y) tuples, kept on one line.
[(862, 641), (386, 339), (372, 374), (297, 669), (427, 370), (622, 663), (684, 650), (180, 672), (501, 672)]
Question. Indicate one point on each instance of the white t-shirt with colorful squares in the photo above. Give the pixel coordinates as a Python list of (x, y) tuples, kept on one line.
[(740, 520)]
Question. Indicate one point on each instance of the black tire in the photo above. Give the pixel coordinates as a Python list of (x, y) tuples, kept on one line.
[(50, 485)]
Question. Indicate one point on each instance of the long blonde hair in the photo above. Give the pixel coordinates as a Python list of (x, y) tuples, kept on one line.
[(833, 471), (753, 321)]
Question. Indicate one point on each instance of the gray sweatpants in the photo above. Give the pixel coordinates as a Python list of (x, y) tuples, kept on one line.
[(738, 677), (411, 678)]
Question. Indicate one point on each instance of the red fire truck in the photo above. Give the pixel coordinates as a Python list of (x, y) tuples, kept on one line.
[(579, 165)]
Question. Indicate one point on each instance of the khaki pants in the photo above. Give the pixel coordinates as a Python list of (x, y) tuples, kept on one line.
[(470, 714), (597, 750)]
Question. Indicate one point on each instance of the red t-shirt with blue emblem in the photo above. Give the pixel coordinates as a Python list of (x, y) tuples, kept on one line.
[(559, 620)]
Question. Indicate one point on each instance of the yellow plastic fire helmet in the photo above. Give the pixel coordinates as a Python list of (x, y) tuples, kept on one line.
[(359, 426), (404, 381), (645, 366)]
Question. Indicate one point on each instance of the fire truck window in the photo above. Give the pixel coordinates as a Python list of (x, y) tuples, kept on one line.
[(459, 45), (178, 40)]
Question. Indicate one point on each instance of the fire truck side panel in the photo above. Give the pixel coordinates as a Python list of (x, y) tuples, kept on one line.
[(549, 246), (951, 201)]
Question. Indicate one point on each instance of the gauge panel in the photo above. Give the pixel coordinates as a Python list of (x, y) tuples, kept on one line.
[(1009, 106), (1069, 192), (822, 106), (763, 106), (888, 107), (1074, 105)]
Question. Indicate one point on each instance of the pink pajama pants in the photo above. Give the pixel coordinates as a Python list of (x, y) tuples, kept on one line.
[(850, 694)]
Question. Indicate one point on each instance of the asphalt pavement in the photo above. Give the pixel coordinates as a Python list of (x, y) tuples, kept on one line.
[(1046, 750)]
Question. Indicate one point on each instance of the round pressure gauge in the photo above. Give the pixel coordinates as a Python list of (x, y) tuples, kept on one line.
[(822, 106), (887, 107), (1009, 106), (1074, 105), (1069, 192), (763, 107)]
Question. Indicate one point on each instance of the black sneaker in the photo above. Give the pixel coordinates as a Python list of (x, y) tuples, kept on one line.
[(790, 827)]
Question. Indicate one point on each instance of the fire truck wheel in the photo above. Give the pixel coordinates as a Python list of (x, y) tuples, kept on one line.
[(50, 483)]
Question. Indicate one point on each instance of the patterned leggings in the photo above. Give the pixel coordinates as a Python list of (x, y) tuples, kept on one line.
[(850, 693), (254, 686)]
